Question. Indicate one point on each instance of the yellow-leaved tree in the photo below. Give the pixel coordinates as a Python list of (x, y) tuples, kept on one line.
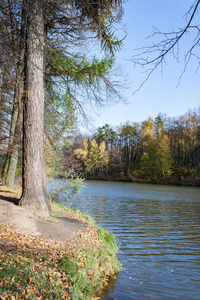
[(93, 157)]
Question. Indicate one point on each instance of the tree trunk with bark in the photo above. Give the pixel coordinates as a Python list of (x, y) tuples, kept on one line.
[(17, 112), (34, 193), (14, 151), (11, 138), (2, 130)]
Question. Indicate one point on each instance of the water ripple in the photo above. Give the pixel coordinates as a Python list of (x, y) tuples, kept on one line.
[(158, 228)]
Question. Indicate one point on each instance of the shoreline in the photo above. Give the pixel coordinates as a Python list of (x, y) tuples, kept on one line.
[(33, 266), (143, 181)]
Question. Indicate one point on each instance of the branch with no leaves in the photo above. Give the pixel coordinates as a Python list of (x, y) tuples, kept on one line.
[(169, 44)]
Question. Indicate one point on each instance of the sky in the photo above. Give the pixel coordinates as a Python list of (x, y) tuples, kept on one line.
[(161, 93)]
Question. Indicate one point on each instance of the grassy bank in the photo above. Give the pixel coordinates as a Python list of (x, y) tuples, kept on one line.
[(33, 268)]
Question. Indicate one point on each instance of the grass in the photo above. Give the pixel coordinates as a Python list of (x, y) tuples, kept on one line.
[(59, 207), (55, 213), (19, 279), (31, 269), (98, 263)]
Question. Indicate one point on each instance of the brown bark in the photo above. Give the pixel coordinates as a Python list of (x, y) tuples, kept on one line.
[(34, 194), (14, 151), (15, 130), (11, 137), (17, 113)]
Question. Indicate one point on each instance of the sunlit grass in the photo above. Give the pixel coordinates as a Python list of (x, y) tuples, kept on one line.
[(41, 271)]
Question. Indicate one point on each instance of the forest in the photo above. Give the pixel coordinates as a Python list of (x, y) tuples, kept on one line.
[(160, 150)]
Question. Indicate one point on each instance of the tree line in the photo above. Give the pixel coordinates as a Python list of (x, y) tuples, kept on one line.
[(163, 149)]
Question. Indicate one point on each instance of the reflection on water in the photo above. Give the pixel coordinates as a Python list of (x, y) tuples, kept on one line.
[(158, 228)]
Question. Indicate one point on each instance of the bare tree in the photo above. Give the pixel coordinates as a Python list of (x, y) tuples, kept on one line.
[(154, 56)]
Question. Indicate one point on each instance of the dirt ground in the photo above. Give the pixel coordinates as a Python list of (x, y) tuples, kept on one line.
[(68, 227)]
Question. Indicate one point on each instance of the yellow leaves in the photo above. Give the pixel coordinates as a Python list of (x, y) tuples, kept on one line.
[(30, 279), (82, 153), (43, 260), (92, 155), (103, 154), (106, 278)]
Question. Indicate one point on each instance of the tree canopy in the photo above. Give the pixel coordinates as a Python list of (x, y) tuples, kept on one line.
[(44, 45)]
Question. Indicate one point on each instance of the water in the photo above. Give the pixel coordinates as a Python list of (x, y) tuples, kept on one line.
[(158, 228)]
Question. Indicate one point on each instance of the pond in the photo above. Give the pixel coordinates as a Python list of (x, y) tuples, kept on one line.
[(158, 228)]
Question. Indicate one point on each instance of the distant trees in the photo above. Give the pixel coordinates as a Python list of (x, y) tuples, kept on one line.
[(93, 157), (159, 150)]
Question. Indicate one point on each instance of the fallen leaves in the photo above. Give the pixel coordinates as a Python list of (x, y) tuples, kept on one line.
[(31, 267)]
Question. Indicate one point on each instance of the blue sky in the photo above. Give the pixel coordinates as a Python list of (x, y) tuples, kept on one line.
[(160, 94)]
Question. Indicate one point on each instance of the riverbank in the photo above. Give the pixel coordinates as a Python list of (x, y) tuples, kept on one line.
[(65, 257), (151, 222), (150, 181)]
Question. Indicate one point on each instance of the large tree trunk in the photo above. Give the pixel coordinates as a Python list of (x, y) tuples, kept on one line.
[(34, 194)]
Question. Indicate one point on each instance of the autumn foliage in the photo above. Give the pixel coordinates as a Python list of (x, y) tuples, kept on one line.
[(156, 150)]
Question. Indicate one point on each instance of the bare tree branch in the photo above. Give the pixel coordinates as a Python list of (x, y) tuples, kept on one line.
[(169, 44)]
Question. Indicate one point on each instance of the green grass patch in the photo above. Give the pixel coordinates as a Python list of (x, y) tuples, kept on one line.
[(55, 213), (101, 261), (23, 277), (76, 273)]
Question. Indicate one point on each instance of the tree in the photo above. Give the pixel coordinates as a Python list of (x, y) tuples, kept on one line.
[(97, 17), (82, 153), (17, 111), (165, 157), (154, 55), (93, 157), (103, 159), (128, 134), (34, 193), (89, 155), (149, 160), (72, 165)]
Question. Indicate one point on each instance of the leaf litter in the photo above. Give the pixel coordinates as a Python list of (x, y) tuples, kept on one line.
[(32, 268)]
